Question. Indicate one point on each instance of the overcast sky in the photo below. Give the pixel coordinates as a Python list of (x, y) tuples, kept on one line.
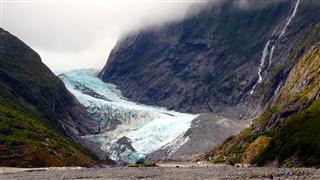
[(71, 34)]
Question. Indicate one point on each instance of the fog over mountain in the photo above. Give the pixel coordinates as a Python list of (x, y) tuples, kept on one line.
[(71, 34)]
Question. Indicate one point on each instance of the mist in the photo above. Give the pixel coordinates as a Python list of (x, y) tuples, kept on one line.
[(255, 4), (73, 34)]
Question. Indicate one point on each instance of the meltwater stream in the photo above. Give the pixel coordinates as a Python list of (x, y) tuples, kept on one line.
[(128, 131)]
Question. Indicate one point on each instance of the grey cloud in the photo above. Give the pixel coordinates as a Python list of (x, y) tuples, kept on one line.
[(76, 25), (255, 4), (71, 34)]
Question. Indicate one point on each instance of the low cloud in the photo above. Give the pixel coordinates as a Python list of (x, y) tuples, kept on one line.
[(71, 34), (255, 4), (80, 33)]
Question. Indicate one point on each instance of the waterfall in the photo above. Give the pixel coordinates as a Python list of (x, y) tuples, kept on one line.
[(262, 61), (291, 17), (265, 50), (271, 54), (284, 29)]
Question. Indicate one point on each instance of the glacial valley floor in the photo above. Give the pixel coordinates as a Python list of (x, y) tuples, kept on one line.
[(164, 172)]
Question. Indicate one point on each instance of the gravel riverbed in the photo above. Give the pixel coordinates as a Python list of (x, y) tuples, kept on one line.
[(164, 172)]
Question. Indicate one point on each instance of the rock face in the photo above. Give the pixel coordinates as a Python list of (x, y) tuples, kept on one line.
[(37, 112), (227, 59), (290, 123)]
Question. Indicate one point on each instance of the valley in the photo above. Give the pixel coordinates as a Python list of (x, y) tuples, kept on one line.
[(229, 91)]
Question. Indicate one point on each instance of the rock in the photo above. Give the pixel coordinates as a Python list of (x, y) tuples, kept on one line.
[(289, 173), (230, 163)]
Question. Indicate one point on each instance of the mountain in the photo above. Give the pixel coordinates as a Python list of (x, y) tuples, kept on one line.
[(254, 62), (210, 62), (227, 59), (286, 134), (38, 115)]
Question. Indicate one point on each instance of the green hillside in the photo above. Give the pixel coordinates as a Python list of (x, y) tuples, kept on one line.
[(32, 102), (289, 126)]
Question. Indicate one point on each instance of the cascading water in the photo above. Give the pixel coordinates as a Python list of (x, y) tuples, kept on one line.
[(284, 29), (266, 48), (262, 61), (271, 55), (290, 19)]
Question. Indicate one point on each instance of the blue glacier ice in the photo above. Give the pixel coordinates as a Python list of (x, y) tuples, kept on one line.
[(145, 128)]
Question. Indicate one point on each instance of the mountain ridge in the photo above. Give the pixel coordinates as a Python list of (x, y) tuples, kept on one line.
[(38, 116)]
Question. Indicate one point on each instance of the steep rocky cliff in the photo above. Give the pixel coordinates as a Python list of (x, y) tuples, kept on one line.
[(289, 126), (37, 113), (228, 59)]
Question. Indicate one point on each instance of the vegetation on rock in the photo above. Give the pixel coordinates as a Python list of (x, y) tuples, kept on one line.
[(290, 125), (33, 102)]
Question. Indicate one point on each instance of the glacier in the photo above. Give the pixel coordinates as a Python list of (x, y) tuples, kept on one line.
[(128, 131)]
